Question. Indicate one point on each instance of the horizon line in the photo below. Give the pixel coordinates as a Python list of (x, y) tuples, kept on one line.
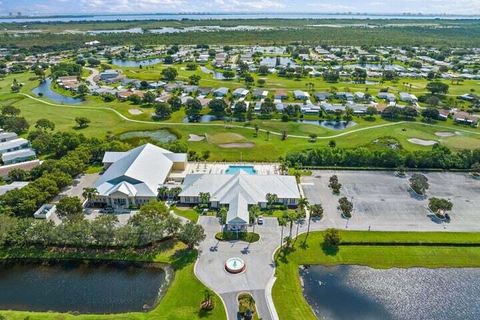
[(413, 14)]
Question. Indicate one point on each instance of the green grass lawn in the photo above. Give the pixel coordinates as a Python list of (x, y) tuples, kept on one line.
[(181, 301), (189, 213), (287, 291)]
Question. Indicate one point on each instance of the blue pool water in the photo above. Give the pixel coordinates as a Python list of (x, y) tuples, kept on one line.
[(235, 169)]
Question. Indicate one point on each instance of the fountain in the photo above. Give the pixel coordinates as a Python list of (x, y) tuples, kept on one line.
[(235, 265)]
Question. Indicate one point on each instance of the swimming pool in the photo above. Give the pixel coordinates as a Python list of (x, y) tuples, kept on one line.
[(235, 169)]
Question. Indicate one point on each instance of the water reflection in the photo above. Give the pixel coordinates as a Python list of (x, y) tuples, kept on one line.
[(355, 292), (44, 90), (76, 286)]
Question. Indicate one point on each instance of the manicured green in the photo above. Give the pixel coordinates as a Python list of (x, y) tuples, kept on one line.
[(287, 291), (181, 301)]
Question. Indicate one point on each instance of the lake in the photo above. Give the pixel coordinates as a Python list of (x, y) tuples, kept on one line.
[(162, 136), (330, 124), (45, 91), (135, 63), (77, 286), (356, 292)]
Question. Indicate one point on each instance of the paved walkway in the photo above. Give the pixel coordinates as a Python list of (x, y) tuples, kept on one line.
[(258, 258)]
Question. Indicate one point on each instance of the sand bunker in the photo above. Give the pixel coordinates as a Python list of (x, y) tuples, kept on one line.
[(135, 112), (242, 145), (195, 138), (444, 134), (422, 142)]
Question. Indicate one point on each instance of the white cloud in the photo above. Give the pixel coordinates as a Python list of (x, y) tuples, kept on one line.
[(471, 7)]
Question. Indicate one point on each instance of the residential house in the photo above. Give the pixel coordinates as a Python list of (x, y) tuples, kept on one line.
[(387, 96), (301, 95), (344, 95), (408, 97), (260, 94), (240, 93), (221, 92), (109, 76), (443, 114), (7, 136), (466, 118), (18, 156), (281, 94), (322, 96), (13, 145)]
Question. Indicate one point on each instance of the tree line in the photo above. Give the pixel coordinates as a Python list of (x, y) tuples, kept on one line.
[(440, 157), (151, 225)]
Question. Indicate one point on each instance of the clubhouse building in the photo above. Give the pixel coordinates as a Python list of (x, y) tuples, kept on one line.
[(133, 178), (238, 192)]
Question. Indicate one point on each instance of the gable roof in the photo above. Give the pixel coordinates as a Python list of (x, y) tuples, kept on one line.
[(132, 174), (240, 190)]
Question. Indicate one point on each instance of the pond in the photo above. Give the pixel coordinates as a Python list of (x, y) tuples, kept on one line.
[(357, 292), (162, 136), (135, 63), (82, 287), (46, 91), (330, 124), (204, 118), (216, 75)]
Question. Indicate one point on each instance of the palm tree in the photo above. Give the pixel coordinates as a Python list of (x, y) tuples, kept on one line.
[(162, 193), (299, 215), (271, 199), (290, 217), (89, 194), (204, 198), (281, 222), (303, 203), (174, 192), (283, 167), (223, 216), (315, 210), (254, 212)]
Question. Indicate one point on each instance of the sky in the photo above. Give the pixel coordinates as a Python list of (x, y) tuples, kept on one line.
[(39, 7)]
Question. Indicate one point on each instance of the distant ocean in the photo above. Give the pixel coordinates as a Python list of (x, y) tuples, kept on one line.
[(212, 16)]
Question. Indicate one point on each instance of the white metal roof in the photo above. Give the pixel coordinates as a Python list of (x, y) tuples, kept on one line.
[(16, 143), (22, 153), (240, 190), (138, 173)]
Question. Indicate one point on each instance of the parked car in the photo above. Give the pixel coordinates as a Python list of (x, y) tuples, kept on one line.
[(260, 220)]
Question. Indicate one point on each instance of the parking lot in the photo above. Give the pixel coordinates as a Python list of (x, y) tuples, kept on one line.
[(383, 201)]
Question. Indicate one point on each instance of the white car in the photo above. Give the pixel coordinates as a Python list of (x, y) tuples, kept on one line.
[(260, 220)]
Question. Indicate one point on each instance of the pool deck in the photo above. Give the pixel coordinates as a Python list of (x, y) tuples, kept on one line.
[(222, 167)]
